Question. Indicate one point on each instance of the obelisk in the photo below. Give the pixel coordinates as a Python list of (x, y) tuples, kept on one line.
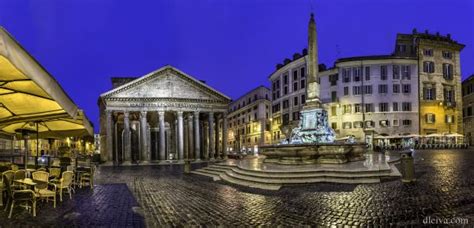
[(312, 88), (314, 126)]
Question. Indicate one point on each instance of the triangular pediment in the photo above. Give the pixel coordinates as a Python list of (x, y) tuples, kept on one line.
[(167, 82)]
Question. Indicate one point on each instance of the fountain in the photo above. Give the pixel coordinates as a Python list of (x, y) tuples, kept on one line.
[(313, 140), (309, 155)]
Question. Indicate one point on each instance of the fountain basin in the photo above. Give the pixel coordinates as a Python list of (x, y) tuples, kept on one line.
[(314, 153)]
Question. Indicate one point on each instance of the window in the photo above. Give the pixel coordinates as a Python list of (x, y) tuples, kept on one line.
[(285, 80), (396, 72), (395, 122), (369, 107), (295, 101), (296, 115), (346, 91), (428, 67), (447, 55), (285, 90), (278, 84), (346, 75), (255, 116), (448, 95), (357, 108), (347, 109), (333, 79), (449, 118), (285, 104), (276, 108), (357, 74), (406, 72), (295, 86), (367, 89), (346, 125), (395, 106), (369, 123), (303, 99), (447, 71), (383, 72), (286, 119), (356, 90), (384, 123), (430, 118), (334, 125), (303, 84), (429, 93), (303, 72), (333, 111), (406, 88), (357, 124), (367, 73), (428, 52), (295, 75), (406, 122), (383, 89), (334, 96), (406, 106), (396, 88), (383, 107)]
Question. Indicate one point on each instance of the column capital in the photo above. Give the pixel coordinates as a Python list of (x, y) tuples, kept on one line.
[(109, 112), (161, 113), (143, 114), (196, 113), (180, 113), (126, 114), (211, 115)]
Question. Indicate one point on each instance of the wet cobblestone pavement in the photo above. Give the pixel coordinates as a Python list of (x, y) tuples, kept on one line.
[(444, 189)]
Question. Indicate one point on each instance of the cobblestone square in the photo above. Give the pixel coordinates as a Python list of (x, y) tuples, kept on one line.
[(158, 196)]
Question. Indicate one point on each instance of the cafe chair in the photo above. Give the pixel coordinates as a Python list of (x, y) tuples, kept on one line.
[(87, 177), (19, 175), (55, 172), (15, 196), (41, 188), (65, 183)]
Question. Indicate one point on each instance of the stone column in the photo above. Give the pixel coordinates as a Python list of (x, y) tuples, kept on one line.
[(180, 136), (161, 124), (205, 137), (127, 148), (190, 136), (197, 141), (224, 135), (212, 145), (109, 132), (216, 145), (143, 135)]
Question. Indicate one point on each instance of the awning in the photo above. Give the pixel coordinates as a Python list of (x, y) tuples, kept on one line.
[(29, 94)]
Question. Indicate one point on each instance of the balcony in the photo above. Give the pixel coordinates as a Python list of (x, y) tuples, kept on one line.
[(449, 104)]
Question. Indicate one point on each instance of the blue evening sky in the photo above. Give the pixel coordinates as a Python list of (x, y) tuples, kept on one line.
[(231, 44)]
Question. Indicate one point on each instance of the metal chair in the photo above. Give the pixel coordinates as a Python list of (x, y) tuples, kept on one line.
[(42, 188), (14, 196)]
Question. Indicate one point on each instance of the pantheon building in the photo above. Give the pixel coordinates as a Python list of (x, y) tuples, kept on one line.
[(163, 116)]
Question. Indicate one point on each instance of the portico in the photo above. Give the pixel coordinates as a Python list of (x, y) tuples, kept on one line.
[(162, 116)]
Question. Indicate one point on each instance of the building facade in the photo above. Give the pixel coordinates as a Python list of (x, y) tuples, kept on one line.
[(468, 109), (414, 90), (165, 115), (247, 118), (372, 95), (440, 79)]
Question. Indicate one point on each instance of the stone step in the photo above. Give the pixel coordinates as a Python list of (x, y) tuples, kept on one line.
[(291, 175), (260, 180), (215, 177), (218, 168), (237, 181)]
